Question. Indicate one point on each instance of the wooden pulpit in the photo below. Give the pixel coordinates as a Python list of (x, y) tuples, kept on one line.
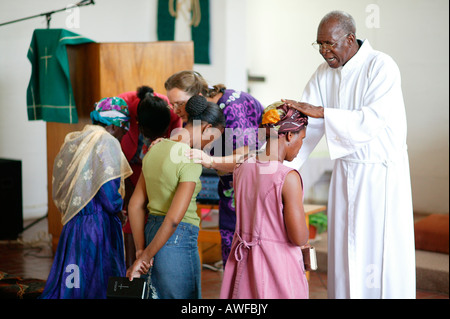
[(99, 70)]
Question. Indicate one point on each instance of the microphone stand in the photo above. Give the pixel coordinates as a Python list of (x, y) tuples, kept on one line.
[(48, 15)]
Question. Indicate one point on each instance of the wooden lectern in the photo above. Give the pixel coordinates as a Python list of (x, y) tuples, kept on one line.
[(99, 70)]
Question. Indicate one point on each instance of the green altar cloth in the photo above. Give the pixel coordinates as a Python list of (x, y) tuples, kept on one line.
[(200, 35), (49, 93)]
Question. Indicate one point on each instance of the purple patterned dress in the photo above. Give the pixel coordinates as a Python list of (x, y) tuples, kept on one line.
[(243, 114)]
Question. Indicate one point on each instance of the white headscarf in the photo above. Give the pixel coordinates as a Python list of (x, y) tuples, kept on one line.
[(87, 160)]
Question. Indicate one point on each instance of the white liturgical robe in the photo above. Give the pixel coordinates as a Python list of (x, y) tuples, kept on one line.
[(371, 251)]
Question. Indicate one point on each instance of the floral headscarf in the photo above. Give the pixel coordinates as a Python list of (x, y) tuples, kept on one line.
[(87, 160), (112, 110), (283, 119)]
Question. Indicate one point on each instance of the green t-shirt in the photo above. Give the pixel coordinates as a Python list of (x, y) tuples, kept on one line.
[(163, 167)]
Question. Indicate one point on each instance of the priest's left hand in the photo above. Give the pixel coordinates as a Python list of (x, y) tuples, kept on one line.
[(305, 108)]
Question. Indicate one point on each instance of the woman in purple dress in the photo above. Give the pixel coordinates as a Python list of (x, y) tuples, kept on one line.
[(243, 115)]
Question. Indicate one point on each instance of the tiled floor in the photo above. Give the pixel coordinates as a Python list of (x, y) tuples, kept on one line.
[(33, 259)]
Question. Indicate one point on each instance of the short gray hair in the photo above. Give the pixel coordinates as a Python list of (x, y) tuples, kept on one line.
[(345, 21)]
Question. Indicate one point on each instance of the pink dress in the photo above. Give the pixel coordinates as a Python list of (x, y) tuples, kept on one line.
[(263, 263)]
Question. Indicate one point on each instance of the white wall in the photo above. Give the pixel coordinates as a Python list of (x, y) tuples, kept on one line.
[(265, 37), (228, 45), (414, 32)]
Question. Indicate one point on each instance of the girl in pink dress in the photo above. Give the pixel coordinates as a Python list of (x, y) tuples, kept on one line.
[(266, 259)]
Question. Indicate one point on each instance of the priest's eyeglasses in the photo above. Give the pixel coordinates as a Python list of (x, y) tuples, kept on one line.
[(327, 46)]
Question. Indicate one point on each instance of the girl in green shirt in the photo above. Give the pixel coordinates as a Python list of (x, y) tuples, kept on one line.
[(167, 188)]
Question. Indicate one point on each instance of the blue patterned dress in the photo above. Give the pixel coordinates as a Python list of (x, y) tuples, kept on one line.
[(90, 249)]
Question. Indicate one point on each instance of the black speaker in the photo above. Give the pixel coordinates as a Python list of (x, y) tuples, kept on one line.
[(11, 217)]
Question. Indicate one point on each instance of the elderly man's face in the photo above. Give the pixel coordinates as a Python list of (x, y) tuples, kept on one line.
[(337, 45)]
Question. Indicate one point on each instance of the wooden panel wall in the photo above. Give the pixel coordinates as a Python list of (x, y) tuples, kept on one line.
[(101, 70)]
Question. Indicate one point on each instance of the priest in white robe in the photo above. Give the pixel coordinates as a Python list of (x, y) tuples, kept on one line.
[(355, 99)]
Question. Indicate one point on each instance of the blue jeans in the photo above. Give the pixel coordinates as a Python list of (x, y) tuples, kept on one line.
[(176, 267)]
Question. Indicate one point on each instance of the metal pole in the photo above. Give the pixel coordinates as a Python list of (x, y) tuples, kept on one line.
[(48, 15)]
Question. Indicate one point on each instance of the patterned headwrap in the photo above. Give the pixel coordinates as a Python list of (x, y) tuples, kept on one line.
[(112, 110), (283, 119)]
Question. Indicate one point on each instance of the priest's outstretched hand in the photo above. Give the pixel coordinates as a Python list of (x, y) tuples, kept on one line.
[(305, 108)]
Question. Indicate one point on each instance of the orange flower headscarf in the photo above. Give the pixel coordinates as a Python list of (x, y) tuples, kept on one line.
[(282, 119)]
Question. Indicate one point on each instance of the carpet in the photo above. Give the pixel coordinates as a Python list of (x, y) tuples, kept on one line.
[(16, 287)]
